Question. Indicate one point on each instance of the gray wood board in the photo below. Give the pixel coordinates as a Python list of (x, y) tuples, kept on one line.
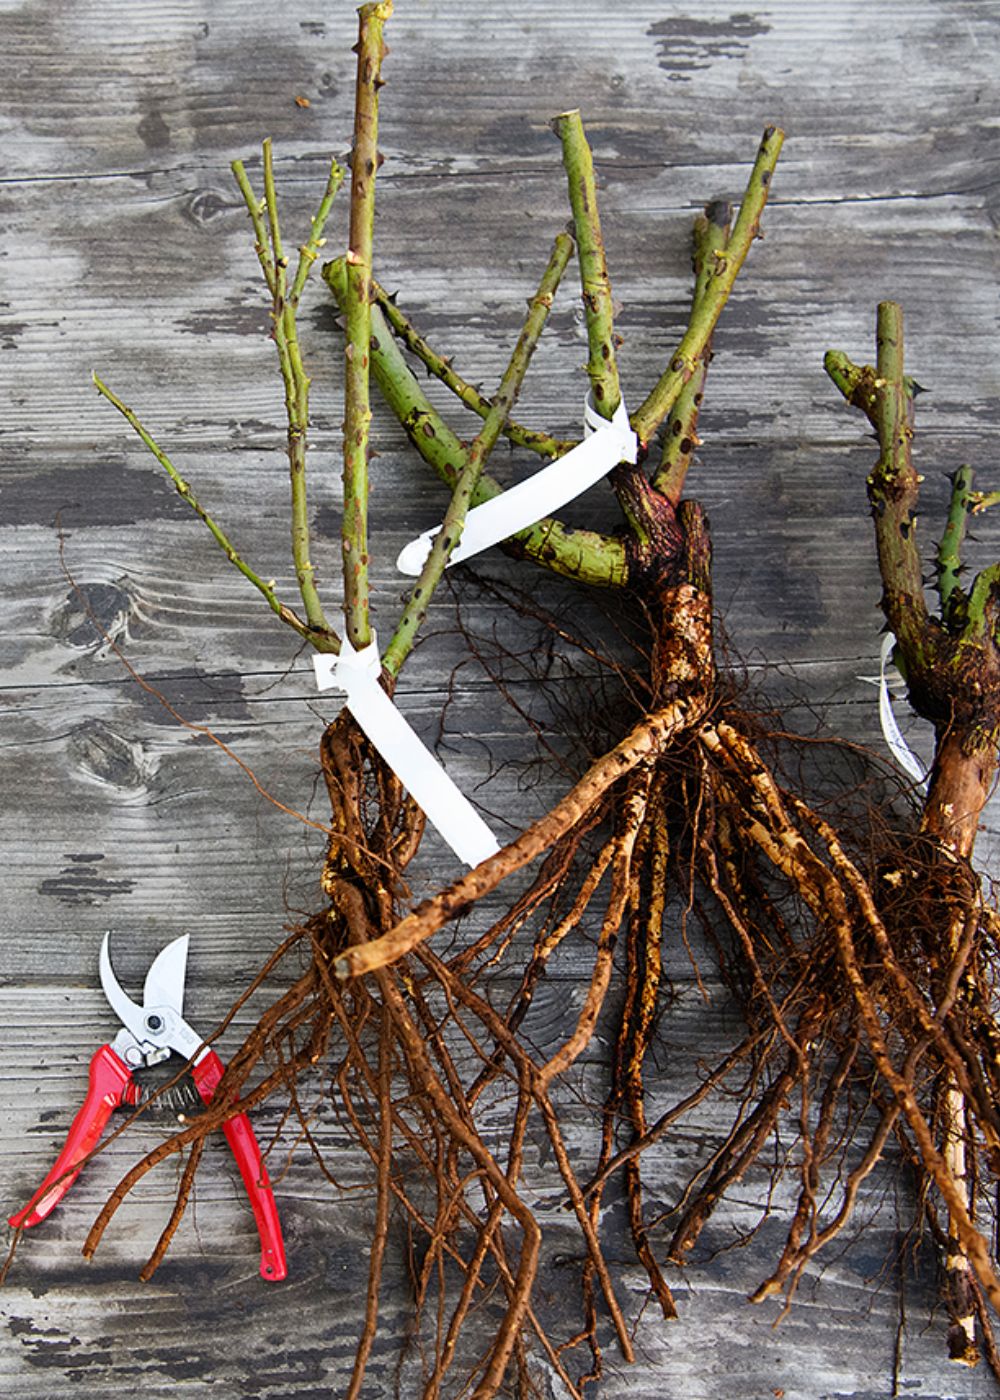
[(126, 249)]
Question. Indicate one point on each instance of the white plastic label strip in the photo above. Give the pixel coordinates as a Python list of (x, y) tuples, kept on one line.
[(891, 732), (357, 674), (606, 443)]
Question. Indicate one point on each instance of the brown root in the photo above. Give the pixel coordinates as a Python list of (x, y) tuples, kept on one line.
[(865, 975)]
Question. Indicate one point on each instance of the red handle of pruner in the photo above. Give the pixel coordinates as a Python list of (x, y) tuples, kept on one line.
[(240, 1136), (108, 1086)]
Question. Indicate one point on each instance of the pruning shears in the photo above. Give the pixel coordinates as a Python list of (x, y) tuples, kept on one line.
[(149, 1034)]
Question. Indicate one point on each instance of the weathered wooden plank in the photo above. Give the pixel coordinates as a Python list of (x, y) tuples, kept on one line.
[(219, 1254), (803, 584), (207, 377), (126, 249)]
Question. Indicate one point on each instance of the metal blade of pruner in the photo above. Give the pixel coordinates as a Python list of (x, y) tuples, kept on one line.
[(157, 1027)]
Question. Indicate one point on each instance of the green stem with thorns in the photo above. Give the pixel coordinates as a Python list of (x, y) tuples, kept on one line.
[(602, 364), (718, 284), (442, 368), (949, 550), (584, 555), (711, 230), (447, 538)]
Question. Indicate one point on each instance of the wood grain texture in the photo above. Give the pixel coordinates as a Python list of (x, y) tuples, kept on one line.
[(126, 249)]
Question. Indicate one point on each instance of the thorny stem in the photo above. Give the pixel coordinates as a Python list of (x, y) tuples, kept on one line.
[(711, 229), (982, 624), (326, 641), (583, 555), (952, 673), (602, 365), (894, 487), (952, 670), (442, 368), (357, 406), (949, 550), (718, 285), (598, 307), (885, 395), (310, 250), (450, 533), (443, 450), (274, 265)]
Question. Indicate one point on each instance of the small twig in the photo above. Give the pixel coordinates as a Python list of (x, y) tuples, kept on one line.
[(309, 251), (321, 641), (442, 368), (274, 264), (255, 208)]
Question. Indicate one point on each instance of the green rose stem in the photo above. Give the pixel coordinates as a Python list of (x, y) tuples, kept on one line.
[(649, 507), (602, 366), (371, 51), (321, 641), (274, 265), (711, 231), (718, 284), (650, 518), (447, 538), (583, 555), (442, 368), (949, 551), (893, 488), (952, 668)]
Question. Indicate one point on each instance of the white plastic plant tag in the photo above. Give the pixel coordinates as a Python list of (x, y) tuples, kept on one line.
[(606, 443), (357, 674), (891, 732)]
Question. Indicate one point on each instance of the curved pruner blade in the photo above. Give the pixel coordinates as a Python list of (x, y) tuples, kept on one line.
[(164, 984)]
